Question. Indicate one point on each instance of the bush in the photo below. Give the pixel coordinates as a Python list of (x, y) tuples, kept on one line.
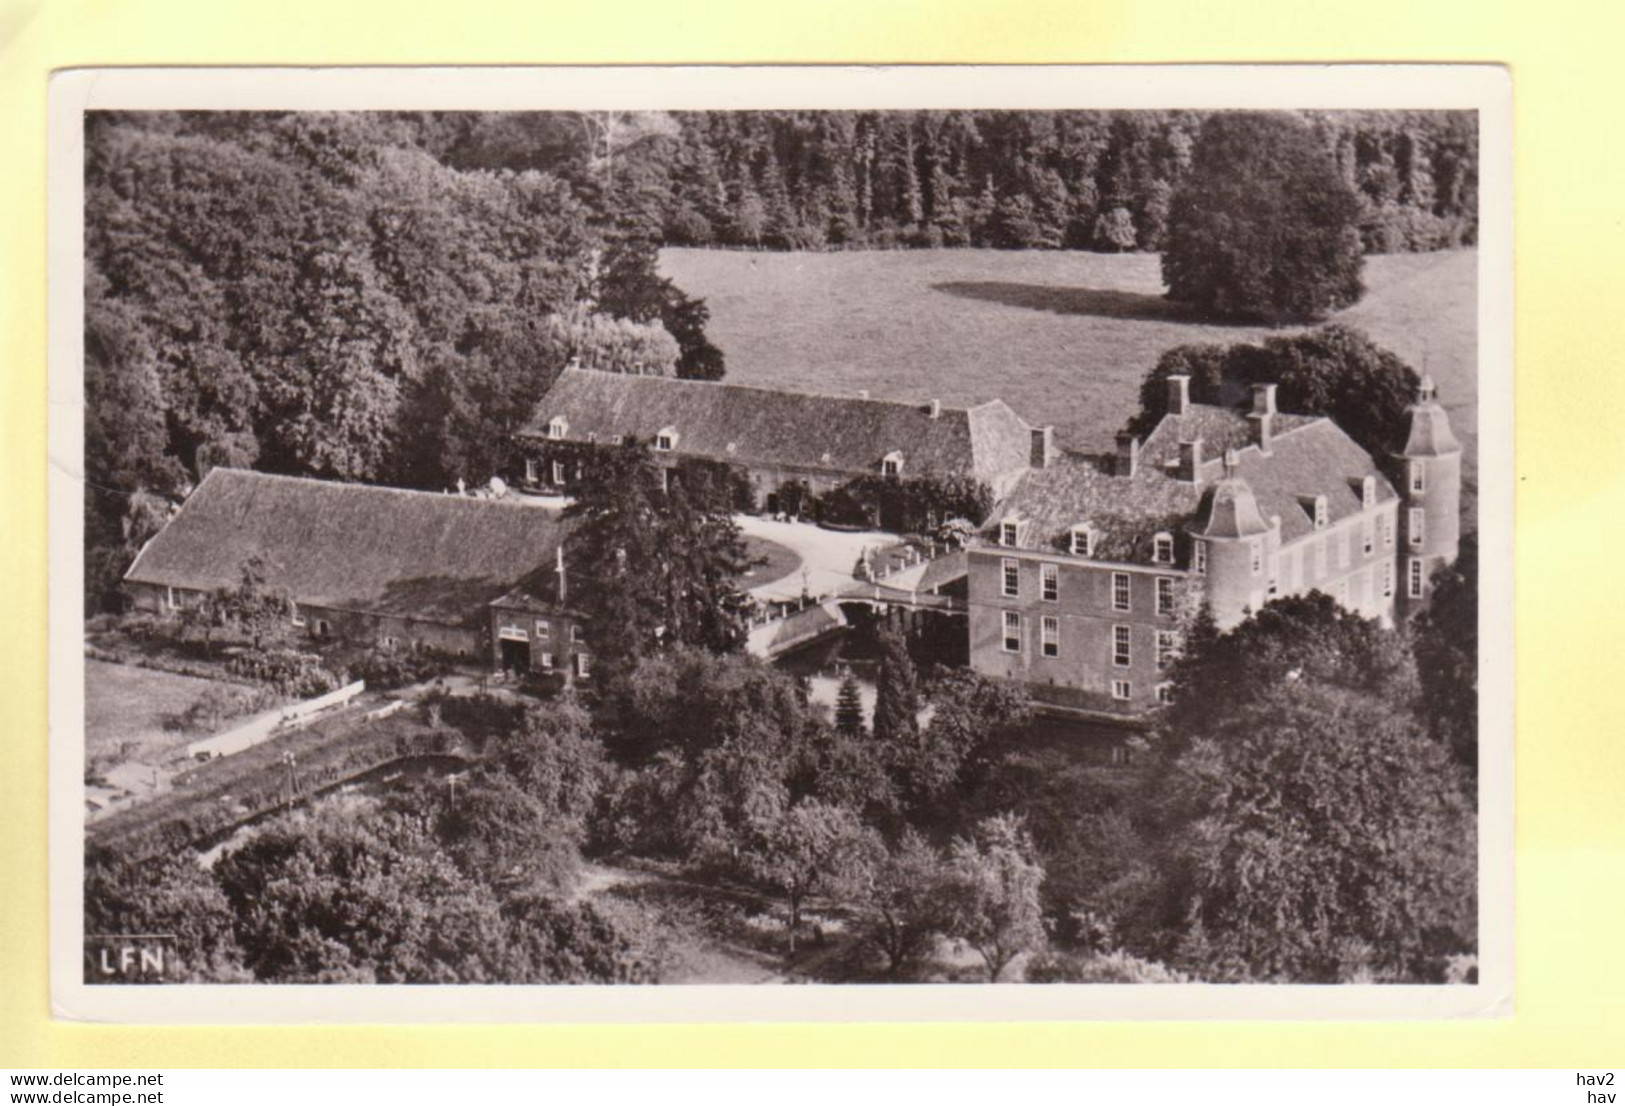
[(385, 668), (301, 675), (1113, 967)]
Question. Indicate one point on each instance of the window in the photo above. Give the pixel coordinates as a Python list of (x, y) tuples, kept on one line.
[(1122, 690), (530, 470), (1388, 579), (1388, 531), (1418, 525), (1162, 549), (1323, 515), (1120, 591), (1083, 541), (389, 641), (576, 635), (1012, 632), (547, 662), (558, 473), (892, 465), (1368, 492), (1121, 654), (323, 627), (1012, 577), (1257, 548), (544, 629), (1368, 541), (1050, 578), (1167, 648), (583, 666), (1418, 477), (1165, 693), (1416, 578), (557, 428), (1051, 627), (1199, 558), (1165, 595), (1009, 532), (666, 440), (294, 614), (169, 599), (513, 632)]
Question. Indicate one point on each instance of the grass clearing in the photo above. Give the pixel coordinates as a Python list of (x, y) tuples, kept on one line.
[(777, 561), (1063, 337), (127, 708)]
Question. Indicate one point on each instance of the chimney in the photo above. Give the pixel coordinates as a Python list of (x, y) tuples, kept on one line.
[(1128, 455), (1190, 461), (1043, 447), (1261, 420), (575, 362), (1179, 394), (936, 408)]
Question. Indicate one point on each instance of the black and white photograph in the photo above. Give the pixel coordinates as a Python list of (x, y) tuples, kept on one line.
[(962, 543)]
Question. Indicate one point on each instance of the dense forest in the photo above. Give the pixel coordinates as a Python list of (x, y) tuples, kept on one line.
[(1092, 180), (384, 297)]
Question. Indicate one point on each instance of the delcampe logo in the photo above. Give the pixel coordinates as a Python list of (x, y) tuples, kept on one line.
[(127, 957)]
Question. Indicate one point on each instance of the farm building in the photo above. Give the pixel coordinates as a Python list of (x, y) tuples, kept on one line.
[(774, 437), (1084, 574), (403, 568)]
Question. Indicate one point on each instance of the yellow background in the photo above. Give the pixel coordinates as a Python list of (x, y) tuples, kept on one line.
[(1570, 116)]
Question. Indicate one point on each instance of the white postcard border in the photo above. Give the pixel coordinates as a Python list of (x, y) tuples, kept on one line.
[(1485, 88)]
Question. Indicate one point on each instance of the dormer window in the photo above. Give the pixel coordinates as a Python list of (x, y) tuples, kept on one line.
[(1083, 540), (558, 427), (1010, 532), (666, 440), (1368, 493), (1162, 549), (1323, 514), (892, 464)]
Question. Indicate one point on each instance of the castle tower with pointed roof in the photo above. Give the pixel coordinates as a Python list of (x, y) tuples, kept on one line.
[(1427, 472)]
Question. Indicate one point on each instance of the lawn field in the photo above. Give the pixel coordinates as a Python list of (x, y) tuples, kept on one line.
[(126, 708), (1062, 337)]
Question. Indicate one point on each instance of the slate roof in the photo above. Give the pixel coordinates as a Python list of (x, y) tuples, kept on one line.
[(763, 427), (1310, 456), (353, 547)]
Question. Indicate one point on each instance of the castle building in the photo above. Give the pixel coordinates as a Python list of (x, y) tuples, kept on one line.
[(1086, 573), (775, 437)]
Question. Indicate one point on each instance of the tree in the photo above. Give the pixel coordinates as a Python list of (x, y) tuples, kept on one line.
[(328, 896), (1334, 370), (257, 608), (1315, 834), (499, 834), (717, 745), (1446, 637), (970, 717), (993, 893), (849, 707), (1297, 638), (650, 566), (172, 895), (897, 693), (1263, 226), (902, 895), (807, 847)]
